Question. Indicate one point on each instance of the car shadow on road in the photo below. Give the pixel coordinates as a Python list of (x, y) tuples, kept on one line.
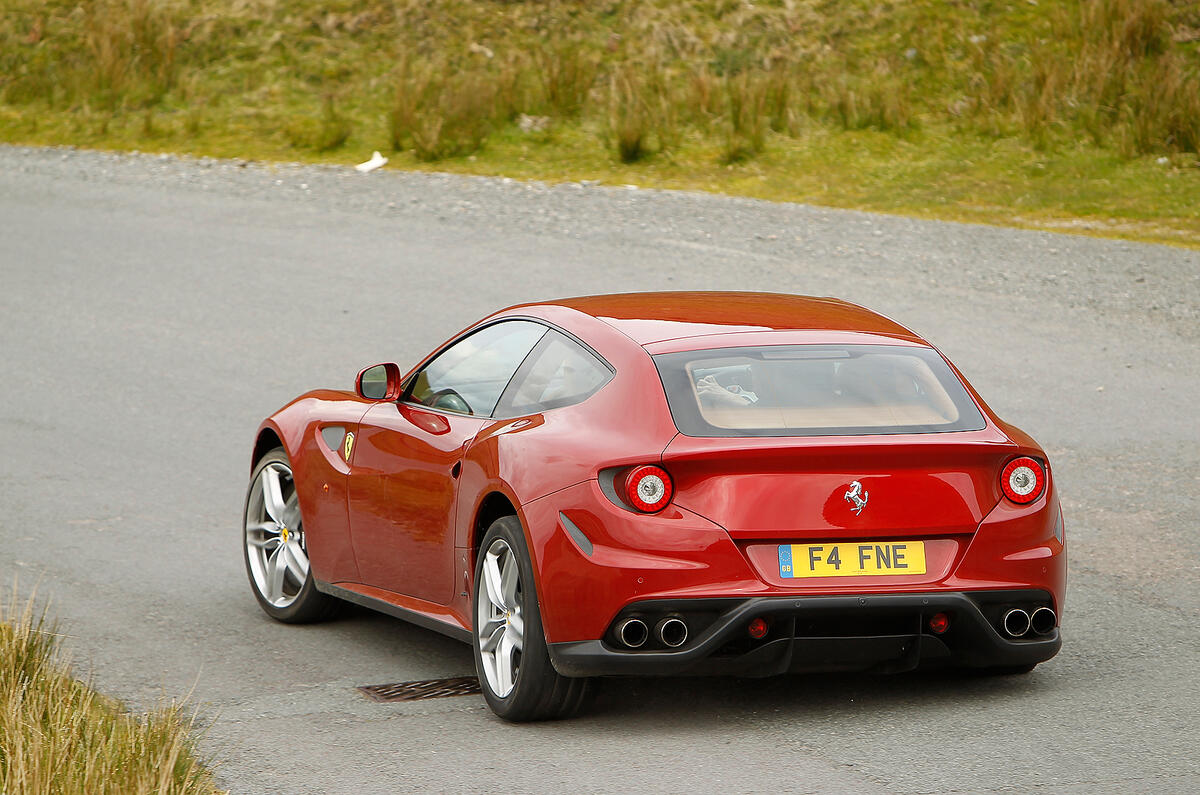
[(674, 699), (663, 701)]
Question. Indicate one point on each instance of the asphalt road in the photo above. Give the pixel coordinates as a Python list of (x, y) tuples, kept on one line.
[(153, 310)]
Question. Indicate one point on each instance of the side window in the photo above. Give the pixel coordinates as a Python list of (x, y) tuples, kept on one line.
[(559, 372), (469, 376)]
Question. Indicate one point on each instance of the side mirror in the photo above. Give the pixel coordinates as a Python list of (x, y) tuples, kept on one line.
[(381, 382)]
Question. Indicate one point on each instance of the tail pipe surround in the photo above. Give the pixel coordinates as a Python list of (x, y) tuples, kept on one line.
[(672, 631), (633, 632), (1043, 621), (1016, 622)]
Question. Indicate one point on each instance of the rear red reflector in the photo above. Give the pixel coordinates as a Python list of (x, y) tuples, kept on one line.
[(1023, 480), (757, 629), (939, 623)]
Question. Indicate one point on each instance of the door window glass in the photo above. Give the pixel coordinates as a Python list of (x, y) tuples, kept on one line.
[(559, 373), (469, 376)]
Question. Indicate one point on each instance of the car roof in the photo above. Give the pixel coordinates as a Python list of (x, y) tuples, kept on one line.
[(649, 318)]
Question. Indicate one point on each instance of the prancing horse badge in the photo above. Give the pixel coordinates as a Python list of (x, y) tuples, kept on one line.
[(856, 497)]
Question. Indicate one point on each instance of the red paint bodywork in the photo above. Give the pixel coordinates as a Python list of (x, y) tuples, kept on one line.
[(401, 521)]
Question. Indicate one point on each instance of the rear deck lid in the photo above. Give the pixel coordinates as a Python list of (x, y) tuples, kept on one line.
[(826, 488)]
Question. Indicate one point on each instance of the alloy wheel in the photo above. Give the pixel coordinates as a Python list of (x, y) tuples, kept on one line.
[(500, 622), (275, 536)]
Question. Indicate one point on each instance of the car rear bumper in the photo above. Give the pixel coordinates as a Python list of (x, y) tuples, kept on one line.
[(884, 633), (595, 562)]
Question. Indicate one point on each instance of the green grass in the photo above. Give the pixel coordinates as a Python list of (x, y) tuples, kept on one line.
[(58, 735), (1081, 115)]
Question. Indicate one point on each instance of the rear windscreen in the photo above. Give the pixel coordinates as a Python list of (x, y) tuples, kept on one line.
[(815, 390)]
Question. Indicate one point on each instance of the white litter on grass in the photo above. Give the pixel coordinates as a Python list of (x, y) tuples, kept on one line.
[(375, 162)]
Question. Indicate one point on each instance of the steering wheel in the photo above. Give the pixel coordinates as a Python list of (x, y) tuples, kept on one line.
[(451, 401)]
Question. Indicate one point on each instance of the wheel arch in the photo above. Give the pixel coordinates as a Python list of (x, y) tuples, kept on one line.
[(267, 440), (494, 505)]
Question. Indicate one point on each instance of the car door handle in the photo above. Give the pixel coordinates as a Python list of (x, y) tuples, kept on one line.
[(456, 469)]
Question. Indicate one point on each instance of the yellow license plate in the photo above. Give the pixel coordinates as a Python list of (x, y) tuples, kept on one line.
[(855, 559)]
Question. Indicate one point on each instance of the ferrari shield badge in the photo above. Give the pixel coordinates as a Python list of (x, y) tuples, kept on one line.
[(348, 446), (854, 495)]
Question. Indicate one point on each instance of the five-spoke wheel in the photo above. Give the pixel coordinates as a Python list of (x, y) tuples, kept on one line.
[(274, 537), (515, 673), (498, 622), (276, 554)]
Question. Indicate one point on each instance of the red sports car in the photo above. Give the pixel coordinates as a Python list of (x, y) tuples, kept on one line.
[(666, 483)]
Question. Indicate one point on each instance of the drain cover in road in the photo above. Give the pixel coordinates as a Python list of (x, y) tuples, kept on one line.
[(419, 691)]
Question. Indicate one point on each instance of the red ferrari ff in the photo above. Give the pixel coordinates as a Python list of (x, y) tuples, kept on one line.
[(666, 483)]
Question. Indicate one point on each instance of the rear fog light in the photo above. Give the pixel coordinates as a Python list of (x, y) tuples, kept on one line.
[(757, 629)]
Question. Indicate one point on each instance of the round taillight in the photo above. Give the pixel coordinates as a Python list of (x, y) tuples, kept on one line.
[(939, 623), (1023, 480), (648, 488)]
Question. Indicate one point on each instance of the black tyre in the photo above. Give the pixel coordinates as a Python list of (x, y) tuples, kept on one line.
[(518, 680), (274, 547)]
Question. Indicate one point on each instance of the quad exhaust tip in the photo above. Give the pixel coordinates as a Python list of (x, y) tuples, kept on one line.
[(633, 632), (672, 632), (1016, 622), (1043, 621)]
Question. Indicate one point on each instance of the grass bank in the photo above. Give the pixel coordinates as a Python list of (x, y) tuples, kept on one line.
[(1081, 115), (58, 735)]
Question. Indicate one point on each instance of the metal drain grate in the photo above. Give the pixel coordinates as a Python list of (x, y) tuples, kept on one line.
[(419, 691)]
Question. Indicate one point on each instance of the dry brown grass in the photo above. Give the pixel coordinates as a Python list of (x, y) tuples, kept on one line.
[(880, 102), (629, 116), (57, 735), (567, 72), (131, 47), (1109, 70), (643, 114), (746, 116), (441, 77)]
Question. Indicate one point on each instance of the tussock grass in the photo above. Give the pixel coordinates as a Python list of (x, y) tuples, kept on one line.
[(1110, 69), (323, 133), (629, 116), (746, 121), (1124, 72), (567, 72), (643, 116), (701, 85), (58, 735), (441, 112)]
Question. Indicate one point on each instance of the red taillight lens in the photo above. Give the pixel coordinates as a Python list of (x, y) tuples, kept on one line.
[(648, 488), (939, 623), (1023, 480), (757, 629)]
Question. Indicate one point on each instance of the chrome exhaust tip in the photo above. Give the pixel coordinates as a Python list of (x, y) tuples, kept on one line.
[(672, 632), (1043, 621), (633, 632), (1016, 622)]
